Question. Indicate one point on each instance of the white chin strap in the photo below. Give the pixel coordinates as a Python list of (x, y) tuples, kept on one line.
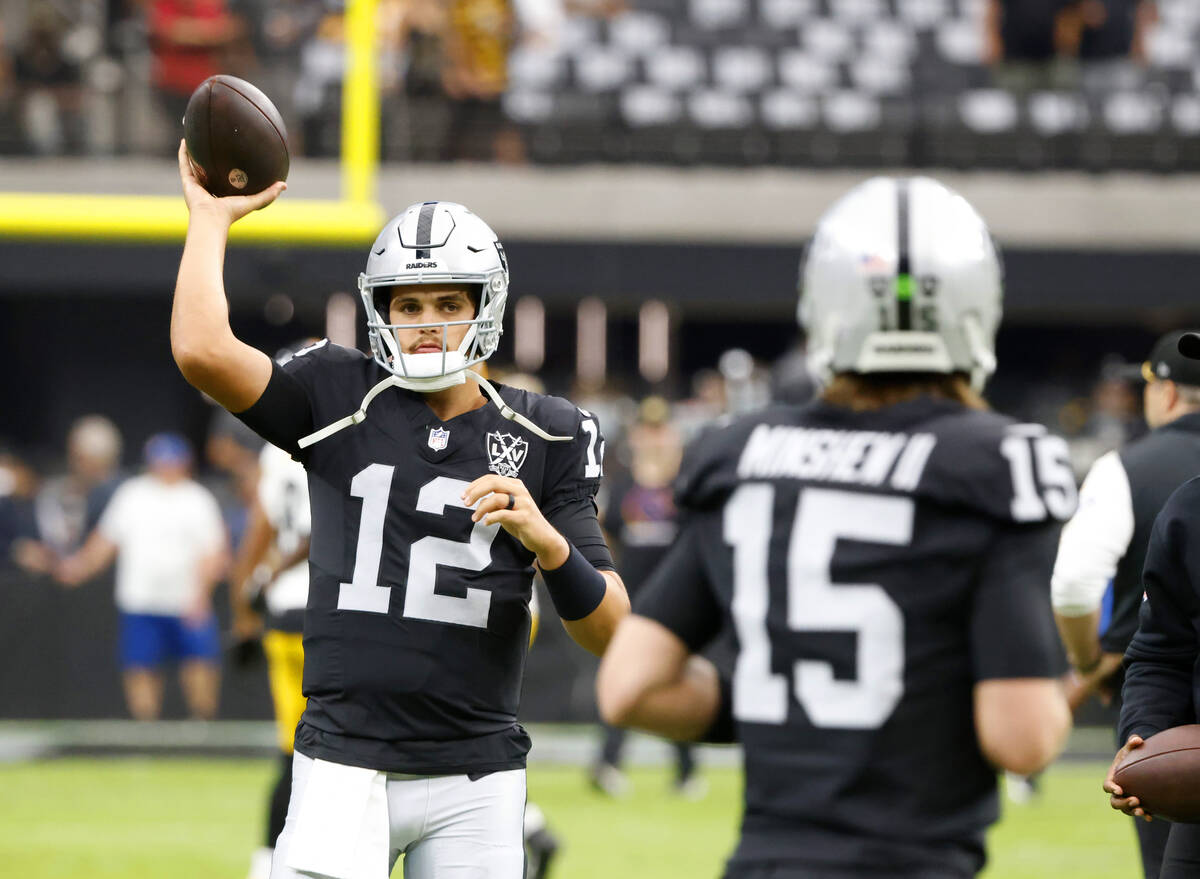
[(429, 385)]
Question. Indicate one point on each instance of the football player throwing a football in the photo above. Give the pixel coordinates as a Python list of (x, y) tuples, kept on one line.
[(883, 556), (433, 494)]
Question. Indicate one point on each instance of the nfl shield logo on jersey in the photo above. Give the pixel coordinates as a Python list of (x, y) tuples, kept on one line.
[(438, 438), (506, 453)]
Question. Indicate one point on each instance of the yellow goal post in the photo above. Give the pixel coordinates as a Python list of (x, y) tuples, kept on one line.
[(352, 219)]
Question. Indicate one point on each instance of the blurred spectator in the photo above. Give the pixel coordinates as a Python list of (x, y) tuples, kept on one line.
[(707, 403), (18, 487), (232, 451), (478, 40), (1027, 42), (282, 31), (420, 34), (70, 505), (1112, 49), (640, 518), (49, 84), (318, 92), (1115, 418), (188, 38), (166, 535)]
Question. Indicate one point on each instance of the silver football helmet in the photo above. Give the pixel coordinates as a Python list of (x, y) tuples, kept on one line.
[(901, 275), (435, 242)]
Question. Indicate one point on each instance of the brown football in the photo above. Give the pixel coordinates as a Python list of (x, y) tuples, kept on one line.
[(1164, 774), (235, 137)]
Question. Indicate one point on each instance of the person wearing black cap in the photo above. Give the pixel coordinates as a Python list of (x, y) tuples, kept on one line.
[(1161, 689)]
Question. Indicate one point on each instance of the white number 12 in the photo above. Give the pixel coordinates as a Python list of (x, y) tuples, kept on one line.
[(363, 593)]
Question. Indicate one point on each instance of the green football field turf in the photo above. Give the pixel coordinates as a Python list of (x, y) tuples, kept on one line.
[(199, 819)]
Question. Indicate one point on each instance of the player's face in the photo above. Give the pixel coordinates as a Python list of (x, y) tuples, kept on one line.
[(430, 304)]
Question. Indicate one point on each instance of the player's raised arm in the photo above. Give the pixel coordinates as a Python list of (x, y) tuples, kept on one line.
[(208, 354)]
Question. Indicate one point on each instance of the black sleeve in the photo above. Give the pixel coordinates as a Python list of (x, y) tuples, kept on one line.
[(1012, 624), (1159, 663), (679, 595), (573, 469), (579, 523), (283, 414)]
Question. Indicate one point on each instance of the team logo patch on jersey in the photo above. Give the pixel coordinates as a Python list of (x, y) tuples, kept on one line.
[(506, 453), (438, 438)]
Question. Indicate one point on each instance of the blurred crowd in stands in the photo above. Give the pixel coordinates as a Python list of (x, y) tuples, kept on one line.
[(513, 80)]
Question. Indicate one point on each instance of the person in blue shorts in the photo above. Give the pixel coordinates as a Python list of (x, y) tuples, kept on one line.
[(165, 532)]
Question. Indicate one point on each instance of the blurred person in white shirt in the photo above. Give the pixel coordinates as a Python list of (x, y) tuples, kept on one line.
[(165, 532)]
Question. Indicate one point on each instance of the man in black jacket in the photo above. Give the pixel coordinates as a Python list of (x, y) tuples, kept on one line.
[(1161, 688), (1097, 583)]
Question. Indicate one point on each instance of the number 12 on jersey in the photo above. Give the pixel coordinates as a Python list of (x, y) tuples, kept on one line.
[(816, 604)]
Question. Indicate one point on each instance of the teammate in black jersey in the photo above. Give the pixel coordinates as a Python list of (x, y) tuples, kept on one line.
[(883, 556), (433, 494)]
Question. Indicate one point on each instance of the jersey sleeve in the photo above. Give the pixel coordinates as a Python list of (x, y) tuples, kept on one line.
[(1159, 662), (571, 480), (1009, 472), (289, 408), (1094, 540), (1012, 627), (679, 594)]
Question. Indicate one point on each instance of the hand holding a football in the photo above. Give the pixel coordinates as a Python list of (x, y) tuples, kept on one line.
[(1117, 799), (230, 208)]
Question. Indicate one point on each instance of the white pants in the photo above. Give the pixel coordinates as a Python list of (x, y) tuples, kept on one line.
[(446, 826)]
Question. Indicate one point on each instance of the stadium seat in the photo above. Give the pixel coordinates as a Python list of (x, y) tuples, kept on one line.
[(677, 67), (717, 108), (879, 77), (989, 111), (806, 73), (639, 33), (923, 14), (717, 14), (741, 68), (602, 68), (827, 39), (857, 11), (961, 42), (780, 14), (531, 67), (786, 110), (643, 106)]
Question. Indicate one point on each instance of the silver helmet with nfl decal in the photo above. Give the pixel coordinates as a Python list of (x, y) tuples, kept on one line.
[(435, 242), (901, 275)]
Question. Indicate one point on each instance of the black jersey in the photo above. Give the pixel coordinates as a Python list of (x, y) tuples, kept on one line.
[(1162, 687), (873, 567), (417, 621)]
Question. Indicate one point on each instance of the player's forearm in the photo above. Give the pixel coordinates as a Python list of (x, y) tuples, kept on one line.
[(683, 710), (208, 354), (200, 313), (1021, 723), (1080, 635), (594, 631)]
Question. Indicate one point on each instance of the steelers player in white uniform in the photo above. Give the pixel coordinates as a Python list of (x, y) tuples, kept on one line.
[(272, 573), (434, 494)]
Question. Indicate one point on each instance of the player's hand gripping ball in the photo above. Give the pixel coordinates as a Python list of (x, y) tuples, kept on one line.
[(236, 139), (1162, 774)]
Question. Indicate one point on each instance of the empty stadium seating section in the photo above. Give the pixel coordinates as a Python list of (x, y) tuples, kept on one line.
[(840, 82)]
